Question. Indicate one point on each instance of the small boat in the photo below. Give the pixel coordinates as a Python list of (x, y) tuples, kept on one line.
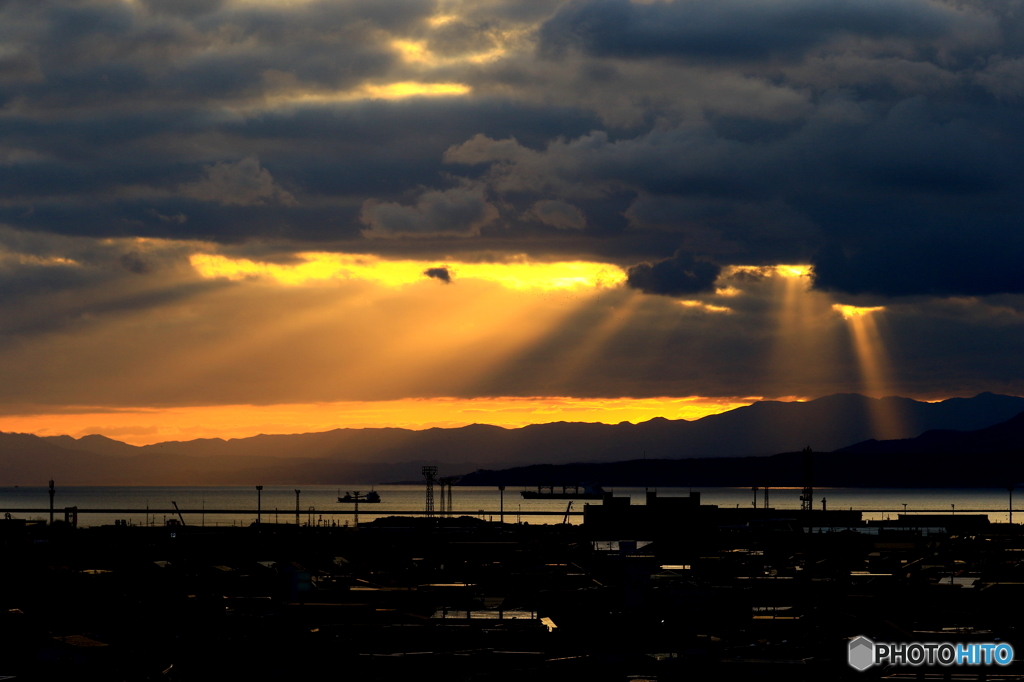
[(584, 491)]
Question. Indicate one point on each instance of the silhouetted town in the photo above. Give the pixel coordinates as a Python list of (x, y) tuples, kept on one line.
[(670, 589)]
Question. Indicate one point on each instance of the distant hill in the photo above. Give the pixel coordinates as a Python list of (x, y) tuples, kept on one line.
[(831, 470), (378, 455), (100, 445), (989, 457), (1007, 438)]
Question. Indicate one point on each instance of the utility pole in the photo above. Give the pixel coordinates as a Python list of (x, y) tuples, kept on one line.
[(259, 504), (357, 497), (354, 496), (501, 493), (297, 491), (52, 492)]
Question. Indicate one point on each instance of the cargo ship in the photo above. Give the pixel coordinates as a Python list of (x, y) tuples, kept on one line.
[(372, 497), (583, 491)]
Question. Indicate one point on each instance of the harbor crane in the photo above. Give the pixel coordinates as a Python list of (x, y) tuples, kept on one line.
[(179, 512)]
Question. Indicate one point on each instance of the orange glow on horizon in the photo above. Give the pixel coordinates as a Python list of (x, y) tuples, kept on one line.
[(143, 426)]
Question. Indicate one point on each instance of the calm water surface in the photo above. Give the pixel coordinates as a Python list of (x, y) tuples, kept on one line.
[(279, 501)]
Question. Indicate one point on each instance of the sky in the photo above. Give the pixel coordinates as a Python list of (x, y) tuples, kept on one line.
[(227, 217)]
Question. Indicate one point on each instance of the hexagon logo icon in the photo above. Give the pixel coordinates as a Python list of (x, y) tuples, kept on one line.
[(861, 653)]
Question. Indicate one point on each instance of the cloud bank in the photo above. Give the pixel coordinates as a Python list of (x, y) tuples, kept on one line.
[(876, 141)]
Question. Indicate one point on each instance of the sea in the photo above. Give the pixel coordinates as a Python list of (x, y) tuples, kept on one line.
[(317, 504)]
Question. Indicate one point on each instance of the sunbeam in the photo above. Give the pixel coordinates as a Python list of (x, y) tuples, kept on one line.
[(873, 360)]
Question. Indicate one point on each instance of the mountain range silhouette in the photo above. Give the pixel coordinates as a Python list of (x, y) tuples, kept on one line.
[(380, 455)]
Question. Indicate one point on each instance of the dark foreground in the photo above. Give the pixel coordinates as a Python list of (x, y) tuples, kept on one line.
[(712, 596)]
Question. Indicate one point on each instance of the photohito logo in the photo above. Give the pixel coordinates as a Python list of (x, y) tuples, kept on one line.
[(864, 653)]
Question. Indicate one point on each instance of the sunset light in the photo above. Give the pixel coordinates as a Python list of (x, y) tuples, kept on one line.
[(707, 307), (368, 91), (154, 425), (417, 52), (787, 271), (850, 311), (518, 274), (509, 339)]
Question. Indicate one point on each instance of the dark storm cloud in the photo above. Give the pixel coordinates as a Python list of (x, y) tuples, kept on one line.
[(734, 29), (183, 8), (439, 273), (915, 197), (680, 274), (92, 55), (878, 140), (456, 212), (931, 267), (560, 214), (327, 160), (133, 261)]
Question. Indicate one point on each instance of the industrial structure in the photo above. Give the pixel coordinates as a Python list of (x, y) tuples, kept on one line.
[(807, 496), (429, 473), (670, 588), (446, 483)]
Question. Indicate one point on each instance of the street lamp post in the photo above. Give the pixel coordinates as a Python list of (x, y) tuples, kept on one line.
[(1010, 490), (259, 504), (501, 493)]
